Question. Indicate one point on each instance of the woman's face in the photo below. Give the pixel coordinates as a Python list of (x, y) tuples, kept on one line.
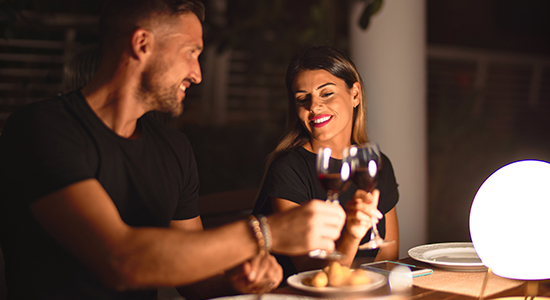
[(325, 106)]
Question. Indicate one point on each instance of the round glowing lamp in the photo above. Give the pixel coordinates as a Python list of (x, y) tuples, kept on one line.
[(510, 221)]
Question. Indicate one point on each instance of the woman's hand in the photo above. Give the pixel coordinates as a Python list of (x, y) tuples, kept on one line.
[(360, 211)]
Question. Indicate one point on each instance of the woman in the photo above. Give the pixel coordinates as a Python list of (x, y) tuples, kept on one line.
[(327, 109)]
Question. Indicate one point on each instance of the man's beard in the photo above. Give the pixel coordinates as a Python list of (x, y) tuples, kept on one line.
[(163, 99)]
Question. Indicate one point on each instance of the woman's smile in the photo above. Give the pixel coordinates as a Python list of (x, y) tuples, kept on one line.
[(321, 121)]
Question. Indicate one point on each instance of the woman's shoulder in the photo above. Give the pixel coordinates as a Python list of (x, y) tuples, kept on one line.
[(297, 156), (385, 160), (386, 163), (387, 179), (294, 161)]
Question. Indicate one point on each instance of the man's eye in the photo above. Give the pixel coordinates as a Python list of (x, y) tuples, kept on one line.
[(195, 52)]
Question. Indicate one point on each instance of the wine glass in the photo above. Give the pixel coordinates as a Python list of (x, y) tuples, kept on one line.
[(365, 160), (334, 177), (333, 174)]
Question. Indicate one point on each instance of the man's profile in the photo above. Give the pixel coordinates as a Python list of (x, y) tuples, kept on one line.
[(99, 200)]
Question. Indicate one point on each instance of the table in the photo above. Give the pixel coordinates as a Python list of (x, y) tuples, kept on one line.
[(419, 293)]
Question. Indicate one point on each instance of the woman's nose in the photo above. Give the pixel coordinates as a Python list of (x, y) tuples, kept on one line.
[(316, 104)]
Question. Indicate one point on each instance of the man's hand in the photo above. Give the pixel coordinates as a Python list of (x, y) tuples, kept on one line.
[(315, 225), (259, 275), (361, 211)]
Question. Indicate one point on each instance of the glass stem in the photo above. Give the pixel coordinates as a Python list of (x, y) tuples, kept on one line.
[(332, 197), (373, 231)]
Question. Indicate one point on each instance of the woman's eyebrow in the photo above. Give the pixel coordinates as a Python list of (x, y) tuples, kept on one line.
[(323, 85), (317, 88)]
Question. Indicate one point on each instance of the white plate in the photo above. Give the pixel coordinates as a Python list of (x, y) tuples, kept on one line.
[(295, 281), (452, 256)]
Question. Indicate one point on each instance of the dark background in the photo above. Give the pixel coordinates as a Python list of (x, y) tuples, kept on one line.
[(468, 139)]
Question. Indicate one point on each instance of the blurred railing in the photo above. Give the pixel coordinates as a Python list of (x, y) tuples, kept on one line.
[(518, 77), (31, 68), (236, 88)]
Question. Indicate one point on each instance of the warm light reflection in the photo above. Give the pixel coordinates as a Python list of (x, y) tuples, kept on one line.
[(345, 171), (372, 168), (510, 221), (326, 157)]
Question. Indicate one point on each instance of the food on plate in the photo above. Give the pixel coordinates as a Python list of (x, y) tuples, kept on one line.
[(358, 277), (320, 279), (336, 275)]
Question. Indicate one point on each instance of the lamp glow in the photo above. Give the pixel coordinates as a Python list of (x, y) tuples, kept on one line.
[(510, 221)]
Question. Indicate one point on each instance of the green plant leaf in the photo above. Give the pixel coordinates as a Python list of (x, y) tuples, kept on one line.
[(370, 9)]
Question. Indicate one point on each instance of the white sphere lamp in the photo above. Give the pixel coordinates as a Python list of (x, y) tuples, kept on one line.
[(510, 221)]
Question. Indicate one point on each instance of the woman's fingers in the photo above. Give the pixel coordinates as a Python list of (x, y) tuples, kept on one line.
[(366, 203)]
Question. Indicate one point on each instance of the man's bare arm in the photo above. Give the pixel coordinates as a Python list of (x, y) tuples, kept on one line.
[(194, 224), (83, 218)]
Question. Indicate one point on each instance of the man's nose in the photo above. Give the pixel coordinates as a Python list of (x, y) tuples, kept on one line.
[(196, 76)]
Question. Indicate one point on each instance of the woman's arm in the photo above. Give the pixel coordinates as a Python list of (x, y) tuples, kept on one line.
[(391, 251), (359, 213)]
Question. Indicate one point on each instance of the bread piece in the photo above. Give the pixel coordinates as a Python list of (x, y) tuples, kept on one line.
[(358, 277), (337, 274), (320, 279)]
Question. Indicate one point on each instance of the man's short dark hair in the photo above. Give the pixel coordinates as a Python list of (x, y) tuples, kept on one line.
[(120, 17)]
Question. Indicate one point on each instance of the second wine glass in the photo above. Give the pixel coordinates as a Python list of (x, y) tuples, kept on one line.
[(366, 162)]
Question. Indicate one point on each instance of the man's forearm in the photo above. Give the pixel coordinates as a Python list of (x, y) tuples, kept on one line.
[(157, 257)]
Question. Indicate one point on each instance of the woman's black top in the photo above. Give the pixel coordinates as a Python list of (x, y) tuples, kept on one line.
[(293, 177)]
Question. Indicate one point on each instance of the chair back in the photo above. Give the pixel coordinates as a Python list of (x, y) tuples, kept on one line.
[(225, 207)]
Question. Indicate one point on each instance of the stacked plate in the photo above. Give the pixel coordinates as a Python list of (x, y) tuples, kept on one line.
[(451, 256)]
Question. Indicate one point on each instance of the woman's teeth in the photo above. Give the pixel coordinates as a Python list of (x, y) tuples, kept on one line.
[(321, 120)]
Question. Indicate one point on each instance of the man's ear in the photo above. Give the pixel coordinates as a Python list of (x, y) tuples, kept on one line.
[(141, 43)]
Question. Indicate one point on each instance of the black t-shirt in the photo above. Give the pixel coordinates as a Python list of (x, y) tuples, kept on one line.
[(293, 177), (52, 144)]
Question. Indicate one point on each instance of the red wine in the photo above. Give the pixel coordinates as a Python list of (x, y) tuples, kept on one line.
[(333, 182), (363, 180)]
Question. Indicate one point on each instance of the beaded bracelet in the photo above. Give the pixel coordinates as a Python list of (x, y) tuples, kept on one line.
[(266, 232), (257, 231)]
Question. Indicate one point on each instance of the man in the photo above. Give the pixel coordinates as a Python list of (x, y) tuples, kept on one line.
[(99, 201)]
